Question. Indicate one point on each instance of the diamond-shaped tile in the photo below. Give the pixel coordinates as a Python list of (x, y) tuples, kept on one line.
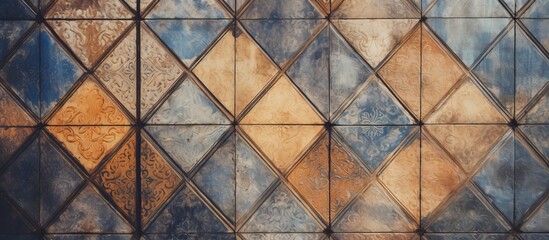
[(274, 9), (376, 9), (105, 9), (10, 33), (282, 144), (187, 9), (374, 38), (485, 8), (282, 104)]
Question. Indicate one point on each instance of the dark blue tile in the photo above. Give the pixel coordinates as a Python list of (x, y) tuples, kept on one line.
[(539, 136), (10, 32), (11, 220), (276, 9), (187, 9), (15, 9)]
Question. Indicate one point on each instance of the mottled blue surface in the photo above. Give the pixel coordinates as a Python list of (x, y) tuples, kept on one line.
[(479, 35), (347, 70), (11, 220), (467, 236), (311, 74), (58, 179), (252, 177), (281, 212), (187, 9), (374, 143), (467, 214), (540, 29), (539, 113), (188, 38), (216, 178), (496, 178), (475, 8), (539, 222), (275, 9), (15, 9), (22, 72), (539, 9), (281, 39), (539, 136), (535, 236), (196, 236), (20, 237), (58, 72), (20, 181), (531, 180), (374, 106), (10, 32), (186, 214), (497, 70), (188, 105)]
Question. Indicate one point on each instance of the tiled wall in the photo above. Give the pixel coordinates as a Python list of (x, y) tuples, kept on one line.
[(287, 119)]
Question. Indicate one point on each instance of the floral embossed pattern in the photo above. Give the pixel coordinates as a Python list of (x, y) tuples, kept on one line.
[(274, 119)]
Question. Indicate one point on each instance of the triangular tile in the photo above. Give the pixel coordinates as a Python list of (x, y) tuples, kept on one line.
[(217, 71), (159, 70), (89, 213), (496, 178), (485, 8), (439, 72), (144, 4), (310, 72), (539, 28), (467, 214), (520, 4), (374, 143), (282, 39), (252, 177), (466, 105), (374, 211), (118, 72), (58, 179), (402, 72), (281, 212), (532, 71), (282, 104), (10, 33), (402, 177), (274, 9), (15, 9), (531, 179), (186, 213), (539, 9), (188, 105), (186, 145), (538, 221), (58, 72), (479, 34), (376, 9), (468, 144), (347, 177), (538, 113), (375, 105), (538, 135), (79, 36), (11, 114), (347, 71), (10, 140), (374, 38), (439, 176), (102, 9), (22, 72), (118, 177), (158, 181), (282, 144), (328, 5), (253, 70), (187, 9), (11, 220), (310, 178), (216, 178), (20, 180), (497, 70), (188, 38), (289, 236)]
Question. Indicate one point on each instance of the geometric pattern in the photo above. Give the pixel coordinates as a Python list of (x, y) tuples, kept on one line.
[(266, 119)]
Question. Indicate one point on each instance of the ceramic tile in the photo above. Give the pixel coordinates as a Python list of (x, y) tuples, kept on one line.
[(187, 9), (376, 9), (448, 8), (10, 140), (86, 9), (537, 10), (272, 9), (15, 9), (11, 32), (12, 221), (11, 113)]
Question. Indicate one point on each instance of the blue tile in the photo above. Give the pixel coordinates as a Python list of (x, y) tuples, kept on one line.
[(540, 29), (452, 8), (375, 105), (467, 213), (539, 220), (538, 9), (186, 214), (22, 72), (216, 178), (497, 71), (281, 39), (374, 143), (195, 236), (58, 72), (539, 136), (20, 237), (535, 236), (14, 9), (276, 9), (187, 9), (10, 32), (188, 105), (188, 38), (11, 220), (310, 72), (467, 236), (539, 113)]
